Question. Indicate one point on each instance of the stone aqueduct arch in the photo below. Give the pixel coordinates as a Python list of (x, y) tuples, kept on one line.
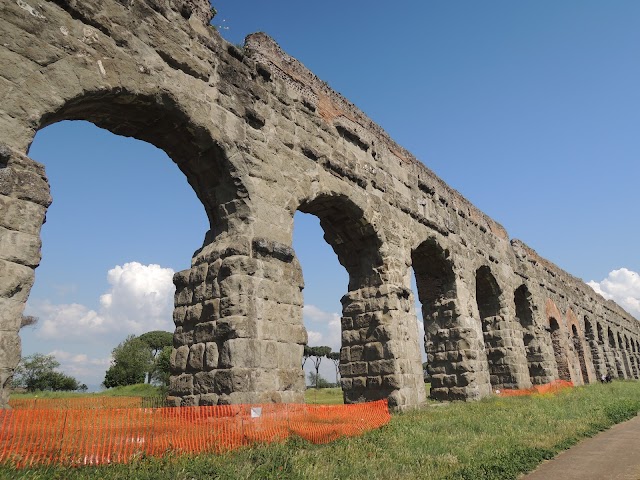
[(259, 137)]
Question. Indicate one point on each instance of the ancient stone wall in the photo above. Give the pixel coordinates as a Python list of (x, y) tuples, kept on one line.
[(259, 137)]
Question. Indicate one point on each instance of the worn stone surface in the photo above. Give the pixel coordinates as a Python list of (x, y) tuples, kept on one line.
[(259, 137)]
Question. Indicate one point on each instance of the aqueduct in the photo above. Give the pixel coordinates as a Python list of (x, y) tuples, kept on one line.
[(259, 137)]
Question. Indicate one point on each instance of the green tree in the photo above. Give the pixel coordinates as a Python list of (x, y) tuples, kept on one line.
[(132, 359), (162, 366), (308, 352), (319, 381), (158, 341), (335, 358), (318, 353), (38, 372)]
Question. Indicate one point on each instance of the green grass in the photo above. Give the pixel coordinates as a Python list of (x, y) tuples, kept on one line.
[(325, 396), (496, 438), (138, 390)]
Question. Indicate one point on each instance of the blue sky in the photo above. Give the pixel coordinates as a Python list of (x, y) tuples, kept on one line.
[(530, 109)]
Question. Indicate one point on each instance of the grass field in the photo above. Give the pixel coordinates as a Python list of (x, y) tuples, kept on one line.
[(139, 390), (496, 438), (324, 396)]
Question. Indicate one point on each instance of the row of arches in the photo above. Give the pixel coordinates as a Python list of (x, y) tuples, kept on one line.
[(519, 346), (614, 353), (245, 288)]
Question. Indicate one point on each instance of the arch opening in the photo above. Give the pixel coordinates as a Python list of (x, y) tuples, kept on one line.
[(356, 244), (436, 286), (160, 120), (579, 349), (101, 241), (324, 283), (594, 346), (524, 316), (633, 372), (559, 351), (488, 301), (600, 335), (619, 373), (625, 360)]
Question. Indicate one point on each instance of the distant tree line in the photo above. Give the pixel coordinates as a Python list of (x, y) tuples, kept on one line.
[(39, 372)]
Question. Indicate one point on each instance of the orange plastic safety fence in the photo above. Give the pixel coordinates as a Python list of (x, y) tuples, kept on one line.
[(552, 387), (78, 436)]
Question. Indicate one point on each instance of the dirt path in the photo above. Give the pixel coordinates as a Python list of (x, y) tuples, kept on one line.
[(610, 455)]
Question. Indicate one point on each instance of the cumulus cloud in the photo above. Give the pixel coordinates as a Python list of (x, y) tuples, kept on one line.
[(140, 298), (623, 287), (323, 328), (81, 366)]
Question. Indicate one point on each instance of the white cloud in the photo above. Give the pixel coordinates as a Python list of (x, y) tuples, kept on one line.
[(140, 298), (623, 287), (327, 329), (315, 338), (80, 366)]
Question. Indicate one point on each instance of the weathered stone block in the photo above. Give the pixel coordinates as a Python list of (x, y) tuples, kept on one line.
[(382, 367), (223, 382), (179, 315), (181, 385), (237, 306), (345, 369), (205, 332), (346, 383), (211, 355), (190, 401), (210, 310), (345, 355), (235, 327), (193, 315), (289, 356), (30, 185), (291, 379), (374, 351), (204, 382), (374, 382), (359, 368), (181, 279), (356, 353), (209, 399), (237, 285), (179, 358), (198, 274), (21, 215), (181, 337), (19, 247), (359, 382), (242, 352), (391, 381), (263, 380), (346, 323), (196, 356), (183, 295)]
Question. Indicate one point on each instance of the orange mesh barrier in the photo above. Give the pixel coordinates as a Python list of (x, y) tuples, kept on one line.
[(552, 387), (119, 435)]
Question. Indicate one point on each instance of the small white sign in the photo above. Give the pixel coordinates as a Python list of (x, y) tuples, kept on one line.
[(256, 412)]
